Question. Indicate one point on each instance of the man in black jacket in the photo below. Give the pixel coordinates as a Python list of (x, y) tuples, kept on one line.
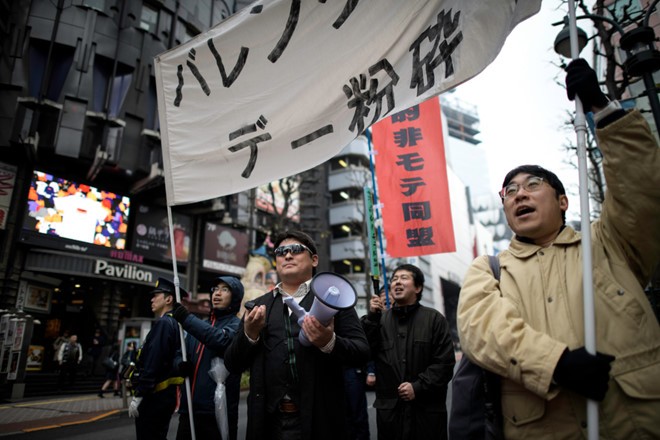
[(414, 358), (296, 392), (154, 396)]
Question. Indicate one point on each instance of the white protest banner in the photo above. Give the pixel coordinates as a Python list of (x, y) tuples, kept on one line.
[(284, 85)]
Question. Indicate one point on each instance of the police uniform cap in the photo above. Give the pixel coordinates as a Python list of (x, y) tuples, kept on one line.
[(166, 287)]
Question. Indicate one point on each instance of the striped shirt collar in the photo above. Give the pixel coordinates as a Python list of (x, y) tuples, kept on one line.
[(303, 289)]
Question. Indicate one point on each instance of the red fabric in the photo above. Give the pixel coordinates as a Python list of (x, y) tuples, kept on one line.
[(412, 182)]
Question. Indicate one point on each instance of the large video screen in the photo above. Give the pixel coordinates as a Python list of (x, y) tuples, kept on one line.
[(62, 208)]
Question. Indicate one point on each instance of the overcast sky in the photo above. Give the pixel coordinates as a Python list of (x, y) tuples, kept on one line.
[(521, 107)]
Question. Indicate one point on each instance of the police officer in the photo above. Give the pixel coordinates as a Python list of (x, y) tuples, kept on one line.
[(154, 393)]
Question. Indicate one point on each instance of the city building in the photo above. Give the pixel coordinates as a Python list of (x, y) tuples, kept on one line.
[(468, 159), (84, 231), (84, 224)]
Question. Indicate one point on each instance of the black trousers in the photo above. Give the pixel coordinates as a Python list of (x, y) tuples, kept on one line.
[(206, 427), (155, 413), (67, 370), (285, 426)]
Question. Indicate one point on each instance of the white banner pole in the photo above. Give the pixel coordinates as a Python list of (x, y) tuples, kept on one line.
[(183, 339), (587, 269)]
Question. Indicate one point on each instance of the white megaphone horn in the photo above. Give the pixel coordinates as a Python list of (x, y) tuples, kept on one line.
[(332, 293)]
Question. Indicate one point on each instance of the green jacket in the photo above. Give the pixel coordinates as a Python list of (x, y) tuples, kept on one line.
[(520, 326)]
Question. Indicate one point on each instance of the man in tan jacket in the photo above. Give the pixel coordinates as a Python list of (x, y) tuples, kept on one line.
[(529, 328)]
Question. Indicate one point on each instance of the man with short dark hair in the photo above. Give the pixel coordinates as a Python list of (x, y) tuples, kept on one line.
[(206, 341), (296, 392), (69, 357), (528, 327), (414, 357), (155, 390)]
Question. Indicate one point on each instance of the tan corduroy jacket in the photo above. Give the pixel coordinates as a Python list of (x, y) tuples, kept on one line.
[(520, 326)]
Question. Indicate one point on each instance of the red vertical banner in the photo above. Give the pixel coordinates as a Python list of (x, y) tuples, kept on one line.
[(412, 182)]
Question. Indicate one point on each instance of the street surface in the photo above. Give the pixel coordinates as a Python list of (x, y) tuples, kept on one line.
[(123, 427)]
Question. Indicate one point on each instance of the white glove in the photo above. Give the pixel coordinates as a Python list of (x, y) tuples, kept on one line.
[(133, 407)]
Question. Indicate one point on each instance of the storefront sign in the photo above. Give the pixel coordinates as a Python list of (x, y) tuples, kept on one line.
[(38, 299), (225, 249), (11, 331), (14, 361), (7, 180), (35, 358), (151, 236), (82, 265), (22, 293), (18, 335), (124, 271)]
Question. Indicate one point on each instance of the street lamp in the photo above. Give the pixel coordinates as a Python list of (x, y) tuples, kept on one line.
[(642, 58)]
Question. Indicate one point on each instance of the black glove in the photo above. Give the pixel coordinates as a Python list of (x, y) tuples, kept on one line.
[(582, 80), (179, 312), (185, 368), (584, 373)]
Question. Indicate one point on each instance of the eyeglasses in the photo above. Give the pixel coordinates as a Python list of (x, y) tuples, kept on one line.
[(531, 184), (295, 249), (223, 289)]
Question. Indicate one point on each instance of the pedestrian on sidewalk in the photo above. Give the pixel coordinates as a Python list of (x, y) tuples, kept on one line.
[(69, 357), (57, 344), (127, 358), (111, 364), (95, 350)]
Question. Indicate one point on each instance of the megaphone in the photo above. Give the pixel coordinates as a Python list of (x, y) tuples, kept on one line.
[(332, 293)]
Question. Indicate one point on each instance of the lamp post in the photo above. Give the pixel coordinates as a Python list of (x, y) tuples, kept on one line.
[(642, 58)]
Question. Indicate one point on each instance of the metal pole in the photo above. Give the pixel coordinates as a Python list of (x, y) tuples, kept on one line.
[(587, 269), (652, 95), (181, 336)]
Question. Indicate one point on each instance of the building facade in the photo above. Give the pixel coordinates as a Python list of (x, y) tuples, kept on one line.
[(84, 231)]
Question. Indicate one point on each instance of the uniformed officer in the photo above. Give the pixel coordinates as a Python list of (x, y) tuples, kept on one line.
[(156, 379)]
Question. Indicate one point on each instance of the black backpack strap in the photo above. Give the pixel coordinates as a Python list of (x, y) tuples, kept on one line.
[(476, 412), (494, 263), (492, 382)]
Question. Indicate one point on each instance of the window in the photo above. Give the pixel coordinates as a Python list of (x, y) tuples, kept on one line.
[(99, 5), (347, 267), (149, 19), (346, 194), (61, 61), (152, 121), (349, 161), (631, 7), (120, 86), (346, 230)]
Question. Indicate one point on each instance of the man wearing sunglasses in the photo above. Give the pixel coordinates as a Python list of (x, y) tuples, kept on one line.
[(296, 392), (528, 327)]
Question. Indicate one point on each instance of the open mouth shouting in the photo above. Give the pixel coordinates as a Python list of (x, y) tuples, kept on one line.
[(524, 210)]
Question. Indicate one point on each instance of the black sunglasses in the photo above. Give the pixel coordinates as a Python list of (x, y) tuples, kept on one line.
[(295, 249)]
